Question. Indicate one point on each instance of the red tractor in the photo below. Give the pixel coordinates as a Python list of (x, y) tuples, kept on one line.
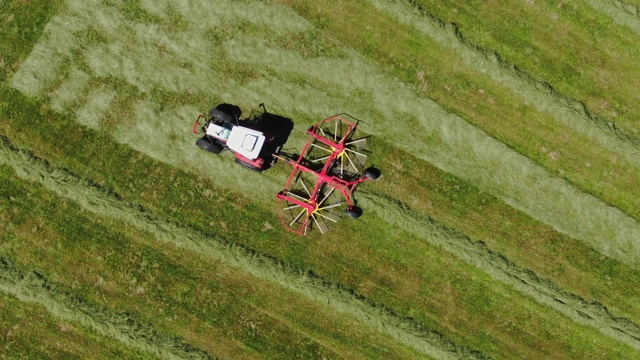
[(252, 146), (333, 158)]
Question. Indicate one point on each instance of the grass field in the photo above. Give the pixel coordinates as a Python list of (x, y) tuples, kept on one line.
[(505, 224)]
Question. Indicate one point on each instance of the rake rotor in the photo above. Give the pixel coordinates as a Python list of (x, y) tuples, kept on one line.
[(324, 177)]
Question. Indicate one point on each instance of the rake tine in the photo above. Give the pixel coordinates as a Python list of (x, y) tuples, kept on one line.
[(291, 207), (329, 194), (318, 225), (305, 188), (297, 217), (328, 218)]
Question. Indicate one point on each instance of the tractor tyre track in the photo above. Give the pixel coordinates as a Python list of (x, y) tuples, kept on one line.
[(34, 288), (476, 253), (103, 202), (540, 94)]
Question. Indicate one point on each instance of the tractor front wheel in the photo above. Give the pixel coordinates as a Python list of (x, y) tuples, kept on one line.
[(207, 144)]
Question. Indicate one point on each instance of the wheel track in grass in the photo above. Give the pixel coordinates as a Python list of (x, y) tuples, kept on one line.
[(500, 268), (539, 94), (32, 287), (621, 13), (100, 201)]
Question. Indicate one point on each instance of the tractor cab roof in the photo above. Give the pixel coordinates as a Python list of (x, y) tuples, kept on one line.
[(245, 141)]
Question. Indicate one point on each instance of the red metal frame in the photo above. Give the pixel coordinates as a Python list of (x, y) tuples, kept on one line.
[(322, 175), (195, 125)]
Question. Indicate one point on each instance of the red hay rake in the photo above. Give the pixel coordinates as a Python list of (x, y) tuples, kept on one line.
[(324, 177)]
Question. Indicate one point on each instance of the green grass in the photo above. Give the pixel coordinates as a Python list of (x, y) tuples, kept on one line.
[(134, 149), (384, 289), (585, 58), (29, 331), (181, 293)]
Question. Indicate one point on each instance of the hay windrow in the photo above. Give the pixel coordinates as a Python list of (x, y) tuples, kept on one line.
[(104, 203), (502, 269), (621, 13), (539, 94), (34, 288), (458, 147)]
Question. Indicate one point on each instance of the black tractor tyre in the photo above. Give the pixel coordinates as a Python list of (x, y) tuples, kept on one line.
[(207, 144), (248, 166), (372, 173), (233, 110), (353, 212), (219, 114)]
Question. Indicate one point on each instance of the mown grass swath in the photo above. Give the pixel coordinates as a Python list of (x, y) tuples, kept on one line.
[(450, 142), (177, 291), (142, 72), (23, 323), (33, 288), (621, 12), (573, 47), (68, 186), (92, 199)]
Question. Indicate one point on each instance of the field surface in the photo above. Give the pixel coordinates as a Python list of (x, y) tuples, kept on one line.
[(505, 225)]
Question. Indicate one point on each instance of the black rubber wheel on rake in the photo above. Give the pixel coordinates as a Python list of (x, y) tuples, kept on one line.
[(372, 173), (353, 212), (207, 144), (248, 166)]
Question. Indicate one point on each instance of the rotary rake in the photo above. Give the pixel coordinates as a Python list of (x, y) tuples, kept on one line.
[(324, 177)]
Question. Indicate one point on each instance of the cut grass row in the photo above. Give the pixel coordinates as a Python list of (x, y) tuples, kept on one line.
[(91, 199), (32, 288), (579, 51), (623, 14), (507, 234), (222, 310), (30, 332), (464, 297), (501, 269), (542, 96), (450, 142), (447, 141), (100, 175)]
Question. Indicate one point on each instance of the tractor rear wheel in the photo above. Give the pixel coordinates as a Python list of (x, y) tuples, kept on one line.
[(207, 144), (353, 212)]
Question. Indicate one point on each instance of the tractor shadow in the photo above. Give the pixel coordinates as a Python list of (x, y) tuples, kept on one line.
[(279, 127)]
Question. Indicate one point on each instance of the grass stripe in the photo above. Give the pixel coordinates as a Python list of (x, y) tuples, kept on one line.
[(97, 200), (620, 12), (567, 111), (502, 269), (32, 287)]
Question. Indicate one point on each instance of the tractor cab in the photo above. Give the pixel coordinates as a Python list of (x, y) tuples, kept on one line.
[(253, 140)]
